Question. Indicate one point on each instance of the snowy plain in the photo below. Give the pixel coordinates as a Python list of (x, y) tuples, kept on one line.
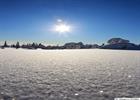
[(91, 74)]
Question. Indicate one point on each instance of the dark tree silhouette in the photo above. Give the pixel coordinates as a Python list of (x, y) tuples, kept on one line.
[(34, 46), (5, 44), (17, 45)]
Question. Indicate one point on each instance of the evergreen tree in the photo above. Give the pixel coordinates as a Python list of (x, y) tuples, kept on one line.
[(5, 44), (17, 45)]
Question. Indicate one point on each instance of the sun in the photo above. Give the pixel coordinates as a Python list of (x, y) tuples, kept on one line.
[(62, 27)]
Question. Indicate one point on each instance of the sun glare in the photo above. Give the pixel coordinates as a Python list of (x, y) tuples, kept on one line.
[(62, 28)]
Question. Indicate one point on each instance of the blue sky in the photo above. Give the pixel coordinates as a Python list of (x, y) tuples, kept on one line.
[(92, 21)]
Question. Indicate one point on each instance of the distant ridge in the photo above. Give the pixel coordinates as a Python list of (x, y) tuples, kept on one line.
[(113, 43)]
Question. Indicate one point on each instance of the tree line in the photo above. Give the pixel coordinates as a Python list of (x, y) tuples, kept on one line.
[(113, 43)]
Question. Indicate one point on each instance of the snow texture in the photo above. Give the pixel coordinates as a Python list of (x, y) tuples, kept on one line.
[(91, 74)]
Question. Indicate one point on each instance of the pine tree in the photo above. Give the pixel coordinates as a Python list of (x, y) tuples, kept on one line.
[(17, 45), (5, 44)]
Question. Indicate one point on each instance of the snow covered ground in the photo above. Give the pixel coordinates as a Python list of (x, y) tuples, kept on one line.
[(69, 74)]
